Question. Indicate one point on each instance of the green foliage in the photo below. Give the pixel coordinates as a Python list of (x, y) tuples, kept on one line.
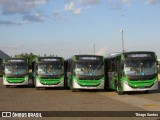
[(29, 56)]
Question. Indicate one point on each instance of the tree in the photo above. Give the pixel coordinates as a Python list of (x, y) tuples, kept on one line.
[(29, 56)]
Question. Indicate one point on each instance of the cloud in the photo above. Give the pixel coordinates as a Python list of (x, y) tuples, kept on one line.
[(19, 6), (76, 6), (101, 51), (89, 2), (153, 2), (118, 5), (78, 11), (57, 15), (70, 6), (7, 22), (25, 10), (37, 17), (125, 1)]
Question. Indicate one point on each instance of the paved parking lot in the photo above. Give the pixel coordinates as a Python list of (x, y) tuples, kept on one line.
[(30, 99)]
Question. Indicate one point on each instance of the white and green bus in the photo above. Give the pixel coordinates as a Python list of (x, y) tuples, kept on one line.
[(85, 72), (132, 71), (15, 72), (48, 72)]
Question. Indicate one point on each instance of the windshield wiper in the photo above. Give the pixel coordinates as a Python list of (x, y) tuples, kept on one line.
[(96, 68)]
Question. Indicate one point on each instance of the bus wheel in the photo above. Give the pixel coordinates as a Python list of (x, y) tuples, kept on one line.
[(119, 92)]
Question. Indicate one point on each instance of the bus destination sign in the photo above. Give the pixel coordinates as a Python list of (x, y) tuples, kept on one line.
[(16, 60), (89, 58), (49, 59), (136, 55)]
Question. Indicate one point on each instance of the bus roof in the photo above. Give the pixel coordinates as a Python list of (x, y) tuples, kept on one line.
[(47, 59), (112, 55), (75, 56)]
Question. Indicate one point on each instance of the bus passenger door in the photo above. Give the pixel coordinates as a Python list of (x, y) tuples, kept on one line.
[(119, 80)]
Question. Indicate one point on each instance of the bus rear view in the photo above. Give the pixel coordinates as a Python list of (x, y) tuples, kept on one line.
[(15, 72)]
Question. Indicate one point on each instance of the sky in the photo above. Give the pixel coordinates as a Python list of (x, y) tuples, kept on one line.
[(69, 27)]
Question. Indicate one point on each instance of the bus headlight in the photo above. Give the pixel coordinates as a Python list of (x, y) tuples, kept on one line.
[(26, 78)]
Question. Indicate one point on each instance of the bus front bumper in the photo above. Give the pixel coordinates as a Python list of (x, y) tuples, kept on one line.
[(77, 86), (26, 82), (126, 87), (39, 84)]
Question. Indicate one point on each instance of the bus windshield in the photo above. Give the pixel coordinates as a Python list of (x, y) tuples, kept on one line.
[(50, 69), (16, 69), (138, 67), (89, 69)]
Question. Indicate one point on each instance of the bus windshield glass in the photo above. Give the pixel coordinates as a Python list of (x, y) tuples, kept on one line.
[(16, 69), (136, 67), (89, 69), (50, 68)]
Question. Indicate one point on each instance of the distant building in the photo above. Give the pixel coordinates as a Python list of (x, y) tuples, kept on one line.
[(3, 55)]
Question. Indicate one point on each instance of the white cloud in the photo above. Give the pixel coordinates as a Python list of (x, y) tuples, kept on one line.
[(37, 17), (70, 6), (57, 15), (8, 22), (89, 2), (19, 6), (24, 8), (125, 1), (102, 51), (76, 6), (78, 11)]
